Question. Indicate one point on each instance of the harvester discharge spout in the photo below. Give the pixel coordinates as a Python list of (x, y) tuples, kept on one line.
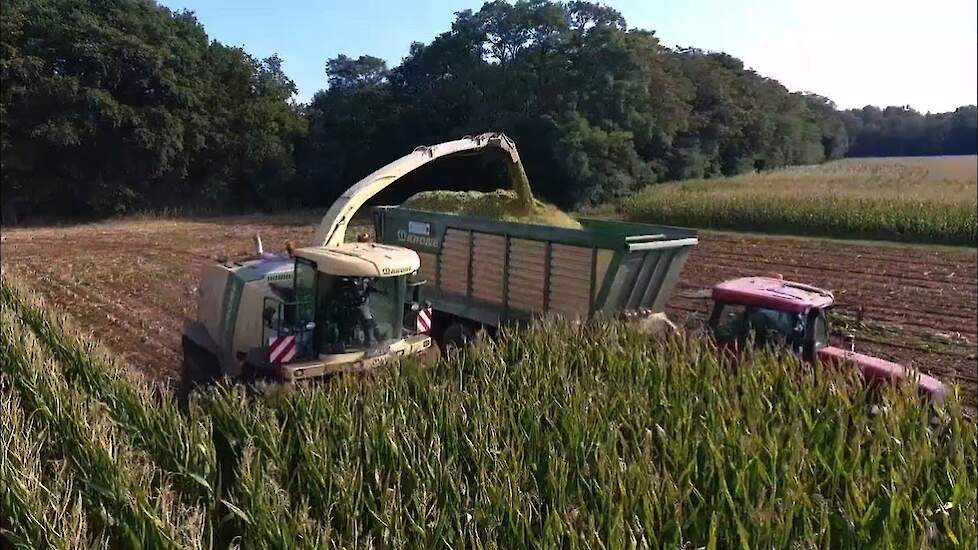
[(332, 229)]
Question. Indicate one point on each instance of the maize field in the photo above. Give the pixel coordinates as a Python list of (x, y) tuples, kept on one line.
[(926, 200), (556, 435)]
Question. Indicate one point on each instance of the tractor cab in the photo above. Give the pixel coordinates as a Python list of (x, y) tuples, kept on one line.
[(772, 311), (791, 315)]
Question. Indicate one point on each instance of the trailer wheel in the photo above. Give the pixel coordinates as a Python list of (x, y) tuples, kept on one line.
[(456, 336)]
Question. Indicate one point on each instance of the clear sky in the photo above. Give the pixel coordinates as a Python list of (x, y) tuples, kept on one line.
[(857, 52)]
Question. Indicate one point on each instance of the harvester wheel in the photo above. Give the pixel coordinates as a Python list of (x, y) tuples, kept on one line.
[(199, 369)]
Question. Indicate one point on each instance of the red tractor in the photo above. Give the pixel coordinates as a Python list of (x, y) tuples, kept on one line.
[(793, 315)]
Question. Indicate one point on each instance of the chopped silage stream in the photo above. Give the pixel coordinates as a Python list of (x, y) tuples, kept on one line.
[(499, 205)]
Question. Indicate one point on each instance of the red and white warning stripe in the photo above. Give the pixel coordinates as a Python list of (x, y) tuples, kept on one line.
[(281, 349), (424, 320)]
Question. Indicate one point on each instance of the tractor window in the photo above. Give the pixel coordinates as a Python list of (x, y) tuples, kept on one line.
[(765, 321), (820, 331), (363, 312), (769, 326), (730, 322)]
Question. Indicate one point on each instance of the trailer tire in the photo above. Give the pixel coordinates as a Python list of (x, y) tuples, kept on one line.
[(456, 337)]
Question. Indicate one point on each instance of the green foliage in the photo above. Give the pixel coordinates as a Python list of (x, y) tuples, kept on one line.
[(123, 494), (185, 452), (37, 499), (553, 435), (902, 131), (598, 109), (117, 105)]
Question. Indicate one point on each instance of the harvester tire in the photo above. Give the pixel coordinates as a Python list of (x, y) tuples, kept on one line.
[(199, 368)]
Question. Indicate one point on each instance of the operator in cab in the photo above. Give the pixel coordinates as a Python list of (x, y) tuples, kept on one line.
[(355, 296)]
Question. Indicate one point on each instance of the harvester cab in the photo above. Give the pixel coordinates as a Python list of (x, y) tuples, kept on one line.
[(354, 294), (771, 311), (318, 311)]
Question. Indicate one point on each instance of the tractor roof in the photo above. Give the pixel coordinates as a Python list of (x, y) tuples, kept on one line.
[(773, 293), (362, 259)]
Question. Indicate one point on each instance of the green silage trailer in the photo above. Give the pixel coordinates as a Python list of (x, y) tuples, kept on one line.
[(481, 272)]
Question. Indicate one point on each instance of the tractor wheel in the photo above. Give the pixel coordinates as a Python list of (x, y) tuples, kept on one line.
[(456, 337), (199, 369)]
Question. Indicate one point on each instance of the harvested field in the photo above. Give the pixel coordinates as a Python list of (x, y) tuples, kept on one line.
[(132, 283)]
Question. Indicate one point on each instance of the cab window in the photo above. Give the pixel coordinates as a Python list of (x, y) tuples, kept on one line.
[(305, 290), (771, 321), (388, 307), (820, 330), (768, 326), (730, 322)]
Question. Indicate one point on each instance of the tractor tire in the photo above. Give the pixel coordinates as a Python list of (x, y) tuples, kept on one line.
[(199, 369), (456, 337)]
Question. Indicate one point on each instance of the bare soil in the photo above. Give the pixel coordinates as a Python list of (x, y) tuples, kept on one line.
[(132, 283)]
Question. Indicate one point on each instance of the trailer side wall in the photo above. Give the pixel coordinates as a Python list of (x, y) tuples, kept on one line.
[(490, 271)]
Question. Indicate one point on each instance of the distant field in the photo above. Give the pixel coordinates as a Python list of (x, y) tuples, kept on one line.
[(925, 199)]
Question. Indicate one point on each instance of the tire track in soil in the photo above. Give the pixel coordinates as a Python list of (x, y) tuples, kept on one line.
[(930, 259), (141, 317), (168, 302), (876, 279), (123, 322), (959, 282), (922, 281)]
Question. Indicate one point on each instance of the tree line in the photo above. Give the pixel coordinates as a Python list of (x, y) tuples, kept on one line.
[(114, 106), (901, 131)]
